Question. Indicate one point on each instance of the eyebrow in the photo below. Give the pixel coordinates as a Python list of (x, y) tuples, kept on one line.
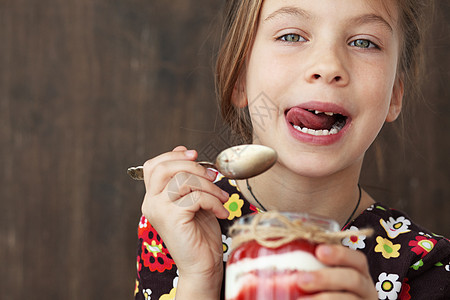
[(289, 10), (359, 20), (371, 18)]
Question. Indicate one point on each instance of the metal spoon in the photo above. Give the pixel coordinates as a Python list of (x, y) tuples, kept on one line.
[(238, 162)]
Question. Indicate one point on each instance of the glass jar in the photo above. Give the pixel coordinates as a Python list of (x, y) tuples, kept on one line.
[(268, 272)]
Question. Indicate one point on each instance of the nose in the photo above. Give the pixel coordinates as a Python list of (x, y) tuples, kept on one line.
[(327, 66)]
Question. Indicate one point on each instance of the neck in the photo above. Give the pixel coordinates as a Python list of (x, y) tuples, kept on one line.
[(334, 196)]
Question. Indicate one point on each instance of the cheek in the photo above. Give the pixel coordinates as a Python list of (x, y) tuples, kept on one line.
[(375, 113), (270, 79), (267, 72), (377, 87)]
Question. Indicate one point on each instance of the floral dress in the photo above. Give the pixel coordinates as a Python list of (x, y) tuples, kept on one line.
[(406, 261)]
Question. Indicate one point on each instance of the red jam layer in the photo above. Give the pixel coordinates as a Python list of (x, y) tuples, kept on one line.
[(262, 285), (268, 283), (252, 249)]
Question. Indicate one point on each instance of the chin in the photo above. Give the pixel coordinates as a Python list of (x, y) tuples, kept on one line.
[(309, 167)]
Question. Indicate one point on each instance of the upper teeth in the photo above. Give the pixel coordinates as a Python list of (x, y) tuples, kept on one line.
[(320, 112)]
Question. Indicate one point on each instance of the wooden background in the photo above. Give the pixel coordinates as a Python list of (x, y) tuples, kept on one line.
[(88, 88)]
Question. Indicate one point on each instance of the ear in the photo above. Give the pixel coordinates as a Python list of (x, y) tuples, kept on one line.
[(395, 106), (239, 96)]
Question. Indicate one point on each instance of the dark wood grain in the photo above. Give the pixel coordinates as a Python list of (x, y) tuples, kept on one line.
[(410, 168), (88, 88)]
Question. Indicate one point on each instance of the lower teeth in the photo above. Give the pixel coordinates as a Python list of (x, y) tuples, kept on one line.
[(322, 132)]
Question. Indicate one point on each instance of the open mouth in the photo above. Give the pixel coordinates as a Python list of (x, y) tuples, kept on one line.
[(314, 122)]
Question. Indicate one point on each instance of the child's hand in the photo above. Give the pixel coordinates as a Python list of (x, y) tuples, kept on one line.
[(348, 277), (182, 203)]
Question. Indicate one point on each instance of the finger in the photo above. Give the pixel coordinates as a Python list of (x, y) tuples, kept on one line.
[(183, 190), (337, 255), (176, 154), (337, 280), (179, 148), (151, 164), (155, 211), (165, 171), (184, 183), (330, 296), (199, 200)]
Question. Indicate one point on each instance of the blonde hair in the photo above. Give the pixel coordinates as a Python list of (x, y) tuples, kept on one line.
[(239, 30), (240, 26)]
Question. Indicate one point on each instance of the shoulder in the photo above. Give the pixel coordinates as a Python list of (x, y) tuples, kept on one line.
[(397, 226), (404, 254)]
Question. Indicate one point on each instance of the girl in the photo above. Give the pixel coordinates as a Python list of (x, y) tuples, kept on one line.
[(328, 74)]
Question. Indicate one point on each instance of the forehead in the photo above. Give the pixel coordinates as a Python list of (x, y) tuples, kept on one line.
[(385, 10)]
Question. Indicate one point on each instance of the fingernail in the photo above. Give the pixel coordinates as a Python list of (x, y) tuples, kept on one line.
[(226, 213), (211, 174), (325, 250), (225, 194), (189, 153)]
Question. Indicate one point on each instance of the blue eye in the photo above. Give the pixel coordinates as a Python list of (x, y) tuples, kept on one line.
[(292, 38), (362, 43)]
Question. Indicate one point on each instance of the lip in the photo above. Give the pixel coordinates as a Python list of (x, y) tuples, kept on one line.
[(323, 107)]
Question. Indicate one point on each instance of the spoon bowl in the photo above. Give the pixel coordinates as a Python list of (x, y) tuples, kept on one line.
[(245, 161), (238, 162)]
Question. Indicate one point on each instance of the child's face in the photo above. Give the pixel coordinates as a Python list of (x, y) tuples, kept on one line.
[(331, 56)]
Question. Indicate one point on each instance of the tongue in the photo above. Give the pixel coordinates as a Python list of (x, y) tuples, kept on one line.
[(304, 118)]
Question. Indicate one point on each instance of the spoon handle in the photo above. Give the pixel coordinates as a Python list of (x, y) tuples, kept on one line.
[(137, 173)]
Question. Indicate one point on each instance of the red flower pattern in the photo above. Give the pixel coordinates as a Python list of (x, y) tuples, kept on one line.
[(422, 245), (253, 208), (155, 255), (404, 293), (143, 226)]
